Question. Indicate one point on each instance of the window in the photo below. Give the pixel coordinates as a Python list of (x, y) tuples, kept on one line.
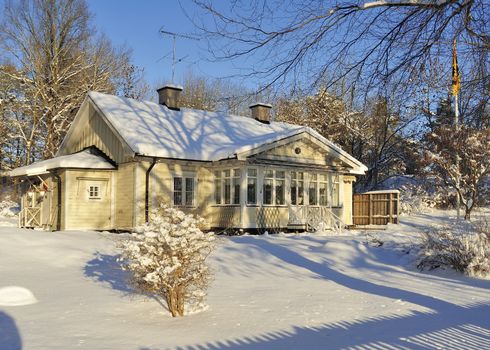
[(217, 187), (274, 187), (93, 192), (236, 186), (252, 186), (227, 186), (335, 191), (184, 191), (313, 189), (323, 183), (297, 188), (280, 187), (268, 185), (317, 189)]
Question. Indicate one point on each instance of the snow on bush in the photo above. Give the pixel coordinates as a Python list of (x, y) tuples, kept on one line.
[(465, 248), (167, 258), (8, 208)]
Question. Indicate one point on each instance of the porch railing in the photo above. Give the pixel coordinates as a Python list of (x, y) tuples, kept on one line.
[(314, 218)]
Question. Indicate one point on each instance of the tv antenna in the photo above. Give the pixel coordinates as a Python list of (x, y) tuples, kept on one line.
[(174, 37)]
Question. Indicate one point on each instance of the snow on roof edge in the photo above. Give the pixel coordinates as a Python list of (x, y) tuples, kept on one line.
[(83, 159)]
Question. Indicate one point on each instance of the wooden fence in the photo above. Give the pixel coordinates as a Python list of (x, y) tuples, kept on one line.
[(375, 208)]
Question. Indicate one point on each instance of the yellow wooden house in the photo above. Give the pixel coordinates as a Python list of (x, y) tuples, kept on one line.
[(121, 157)]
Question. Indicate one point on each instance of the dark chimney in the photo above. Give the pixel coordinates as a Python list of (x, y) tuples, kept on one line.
[(261, 112), (169, 96)]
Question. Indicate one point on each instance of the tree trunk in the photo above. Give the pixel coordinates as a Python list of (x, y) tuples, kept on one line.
[(467, 213)]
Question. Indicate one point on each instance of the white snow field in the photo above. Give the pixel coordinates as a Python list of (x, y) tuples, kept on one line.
[(270, 292)]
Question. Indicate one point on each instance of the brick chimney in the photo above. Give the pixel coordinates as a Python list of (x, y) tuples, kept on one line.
[(261, 112), (169, 96)]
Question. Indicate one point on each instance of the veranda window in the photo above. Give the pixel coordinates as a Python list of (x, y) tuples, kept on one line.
[(184, 191), (274, 187), (227, 186), (317, 190), (297, 188), (252, 186), (335, 191)]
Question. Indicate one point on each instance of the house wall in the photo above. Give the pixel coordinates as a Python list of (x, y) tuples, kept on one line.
[(92, 130), (82, 213), (124, 195)]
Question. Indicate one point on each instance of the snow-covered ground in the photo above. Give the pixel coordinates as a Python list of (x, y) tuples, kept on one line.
[(269, 292)]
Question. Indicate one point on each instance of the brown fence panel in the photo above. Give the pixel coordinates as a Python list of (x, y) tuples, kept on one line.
[(375, 208)]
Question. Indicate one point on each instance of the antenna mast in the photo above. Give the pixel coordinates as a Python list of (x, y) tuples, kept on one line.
[(174, 37)]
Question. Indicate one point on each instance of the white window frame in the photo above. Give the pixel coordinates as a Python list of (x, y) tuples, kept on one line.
[(334, 179), (184, 192), (296, 180), (94, 192), (318, 182), (221, 176), (256, 177), (275, 180)]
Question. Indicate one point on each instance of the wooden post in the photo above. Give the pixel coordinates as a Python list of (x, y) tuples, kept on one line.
[(390, 218), (370, 210)]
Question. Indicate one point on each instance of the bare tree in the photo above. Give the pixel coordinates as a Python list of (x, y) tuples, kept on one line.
[(461, 159), (308, 43), (58, 58)]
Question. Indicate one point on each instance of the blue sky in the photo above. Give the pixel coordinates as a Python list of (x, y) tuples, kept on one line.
[(136, 24)]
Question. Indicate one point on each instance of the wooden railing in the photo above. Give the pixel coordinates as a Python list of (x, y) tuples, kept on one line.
[(30, 217), (314, 218)]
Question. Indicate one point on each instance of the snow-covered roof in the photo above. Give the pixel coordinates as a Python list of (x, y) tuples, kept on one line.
[(84, 159), (151, 129)]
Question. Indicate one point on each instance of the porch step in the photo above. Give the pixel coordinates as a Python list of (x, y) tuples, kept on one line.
[(293, 227)]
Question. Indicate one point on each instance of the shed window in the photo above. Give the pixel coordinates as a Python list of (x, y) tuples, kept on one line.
[(94, 192), (184, 191)]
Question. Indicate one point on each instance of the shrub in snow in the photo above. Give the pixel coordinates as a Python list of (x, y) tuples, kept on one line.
[(463, 248), (167, 258), (8, 208)]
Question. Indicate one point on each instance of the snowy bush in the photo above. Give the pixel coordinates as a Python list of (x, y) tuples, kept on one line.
[(167, 258), (463, 248), (8, 208)]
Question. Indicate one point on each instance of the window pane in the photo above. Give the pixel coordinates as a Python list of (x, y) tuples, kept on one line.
[(300, 176), (280, 190), (313, 177), (251, 191), (269, 174), (217, 174), (217, 191), (293, 175), (252, 172), (227, 173), (236, 191), (267, 191), (323, 194), (323, 177), (227, 188), (280, 174), (312, 194), (301, 195), (236, 172), (177, 191), (189, 191), (335, 195), (294, 198)]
